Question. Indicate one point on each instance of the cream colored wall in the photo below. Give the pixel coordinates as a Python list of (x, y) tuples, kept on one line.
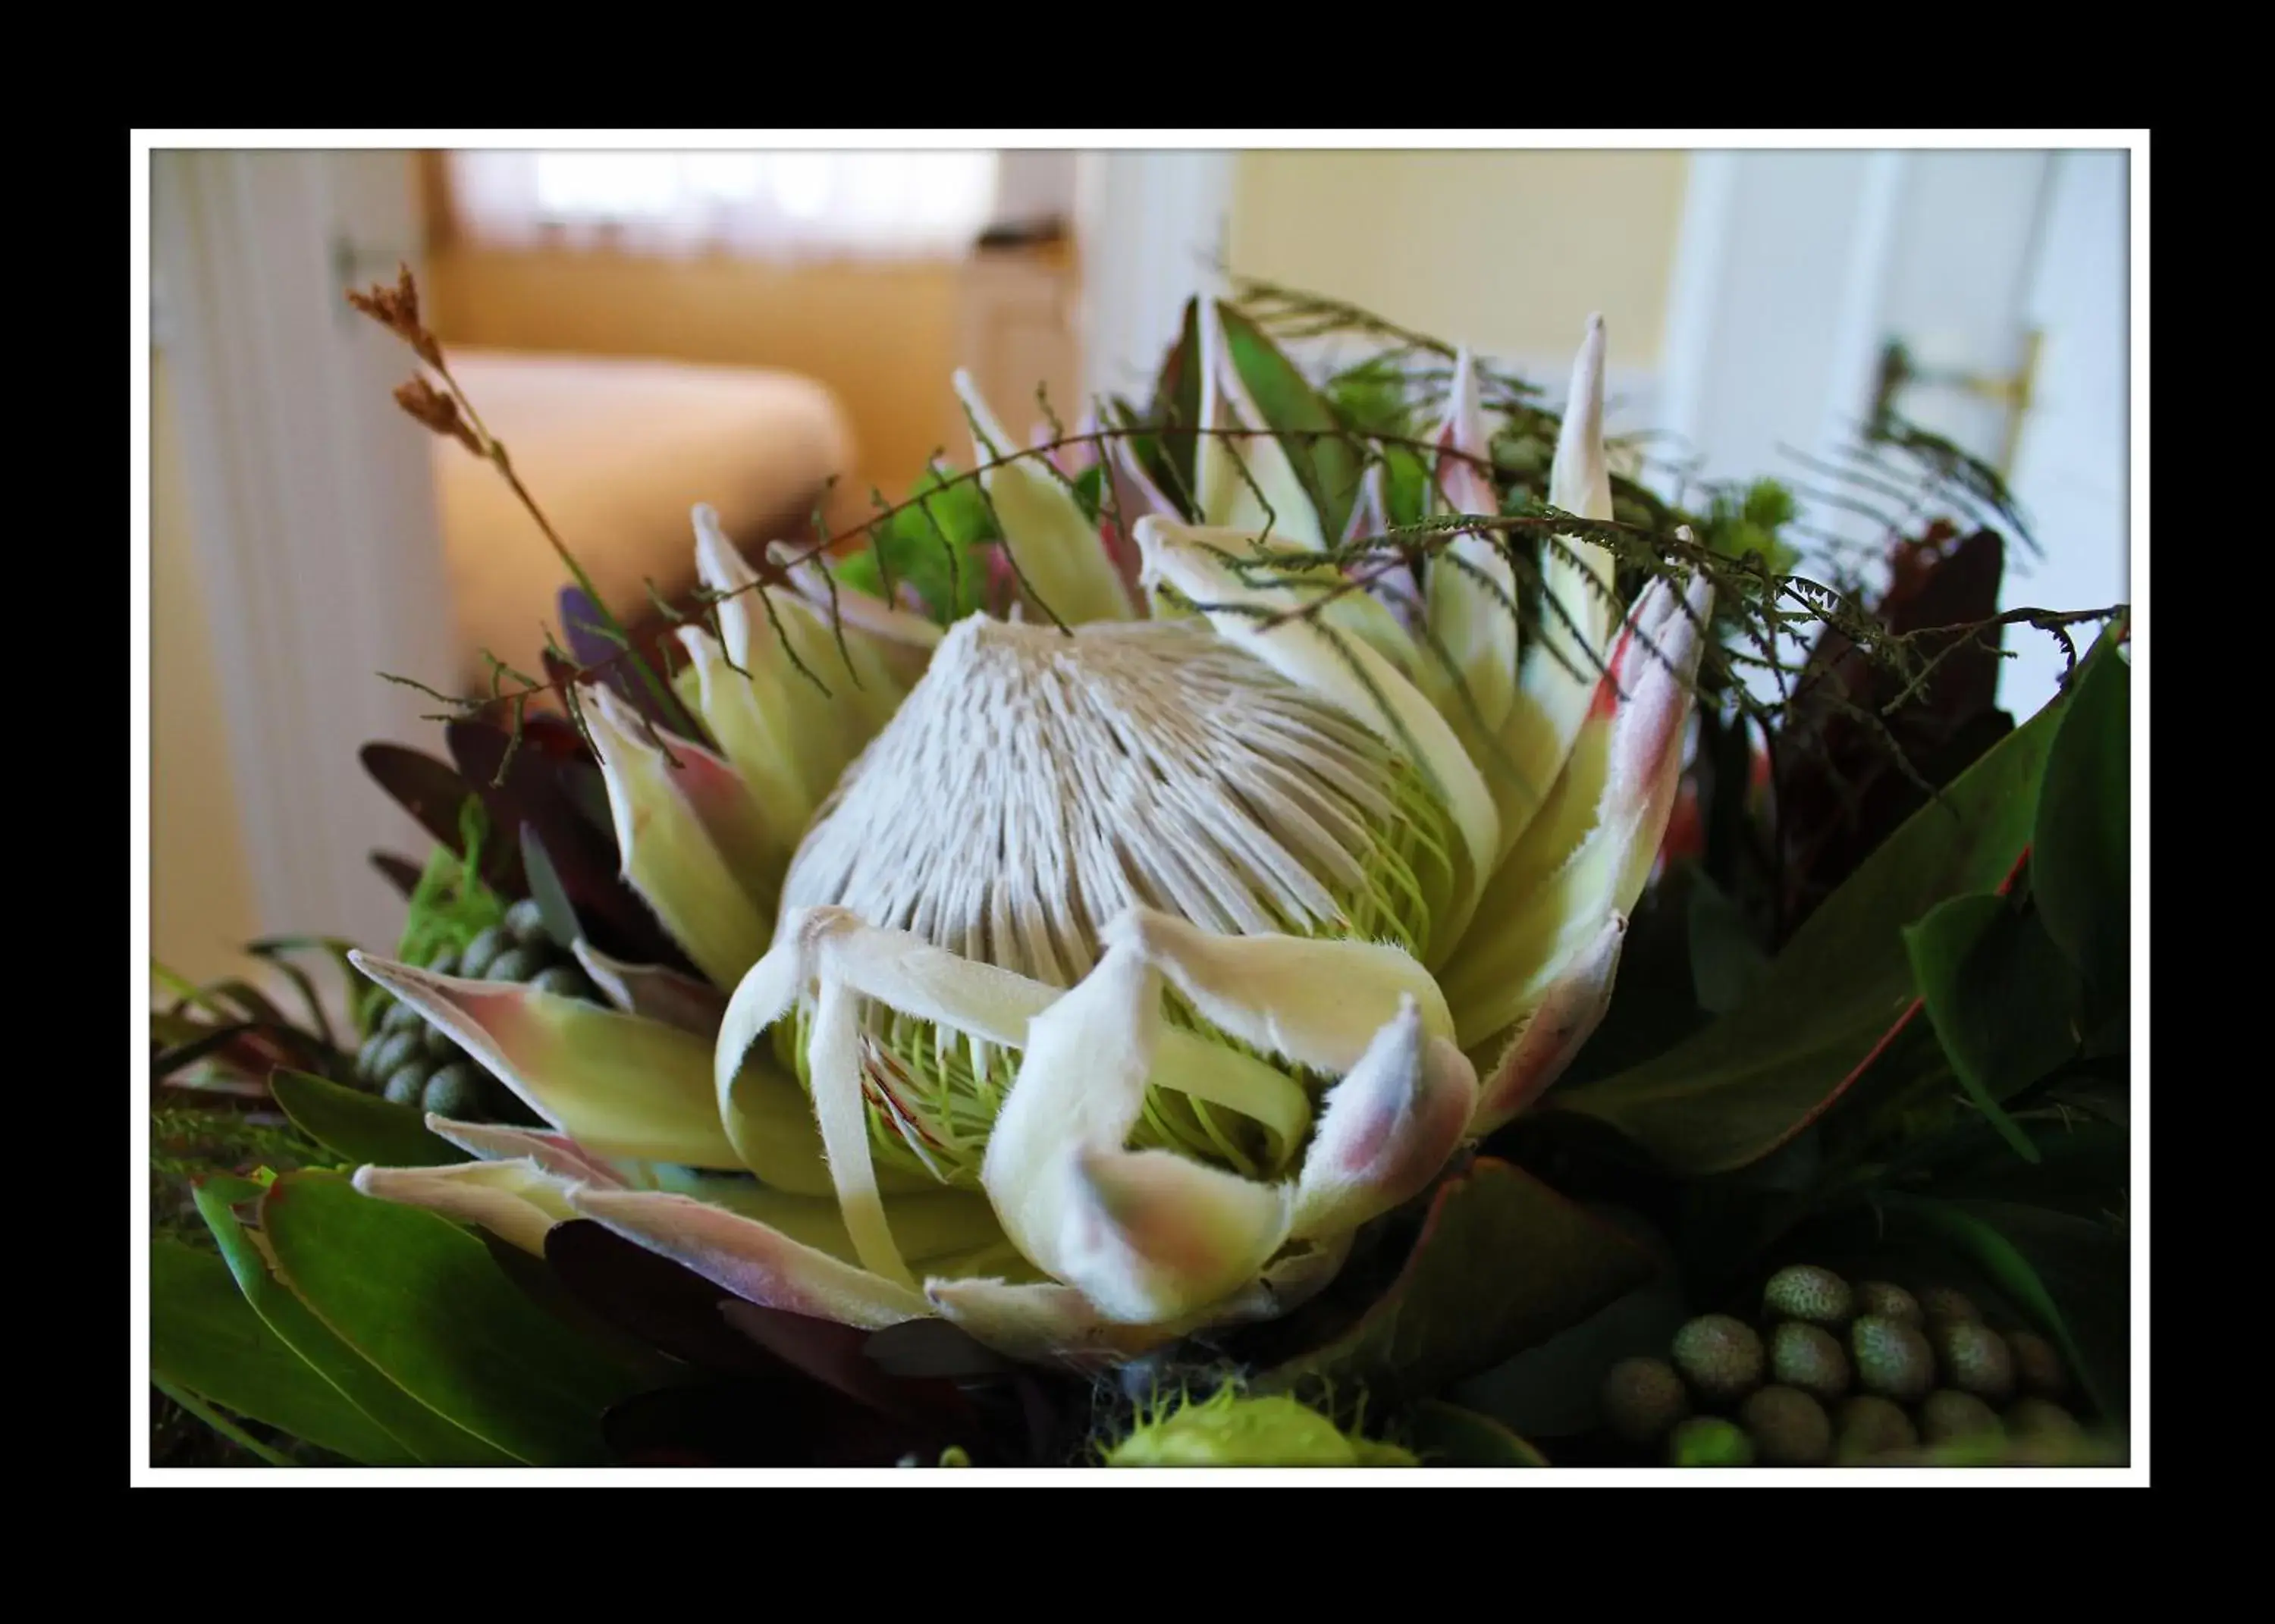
[(1507, 252), (201, 905)]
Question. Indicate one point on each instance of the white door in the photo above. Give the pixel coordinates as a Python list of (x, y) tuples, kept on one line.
[(2002, 277), (311, 506)]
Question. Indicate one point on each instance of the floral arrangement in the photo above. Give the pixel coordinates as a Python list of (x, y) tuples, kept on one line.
[(1313, 919)]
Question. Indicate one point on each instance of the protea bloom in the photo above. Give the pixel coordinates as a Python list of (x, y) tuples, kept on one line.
[(1096, 973)]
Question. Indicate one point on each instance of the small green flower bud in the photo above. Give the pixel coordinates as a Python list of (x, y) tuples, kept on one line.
[(1709, 1440)]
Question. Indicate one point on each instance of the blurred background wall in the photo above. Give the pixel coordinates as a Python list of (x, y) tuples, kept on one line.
[(201, 905), (741, 333), (1509, 252)]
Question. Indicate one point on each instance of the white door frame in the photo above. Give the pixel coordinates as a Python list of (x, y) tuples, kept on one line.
[(1152, 231), (313, 510), (1794, 268)]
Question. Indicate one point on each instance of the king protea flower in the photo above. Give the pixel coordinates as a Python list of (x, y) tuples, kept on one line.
[(1096, 973)]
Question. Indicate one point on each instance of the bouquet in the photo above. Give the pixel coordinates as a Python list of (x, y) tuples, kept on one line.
[(1329, 917)]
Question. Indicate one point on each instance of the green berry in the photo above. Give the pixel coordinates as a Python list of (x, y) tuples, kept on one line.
[(1974, 1358), (446, 964), (1871, 1426), (2042, 1419), (1642, 1398), (1941, 1305), (1809, 1358), (1708, 1441), (567, 981), (1891, 1357), (1948, 1416), (2037, 1367), (1719, 1356), (405, 1084), (474, 963), (525, 922), (397, 1050), (1806, 1292), (455, 1091), (515, 964), (399, 1017), (1888, 1302), (367, 1058), (1788, 1426)]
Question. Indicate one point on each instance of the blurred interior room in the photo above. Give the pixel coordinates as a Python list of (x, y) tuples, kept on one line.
[(773, 333)]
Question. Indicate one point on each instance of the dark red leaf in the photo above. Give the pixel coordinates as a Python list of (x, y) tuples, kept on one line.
[(401, 873), (530, 789)]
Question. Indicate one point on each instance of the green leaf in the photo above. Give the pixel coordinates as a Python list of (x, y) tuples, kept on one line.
[(414, 1432), (1736, 1091), (222, 1424), (1176, 406), (1329, 463), (1725, 962), (1502, 1263), (1089, 487), (2070, 1274), (360, 1126), (936, 546), (422, 1299), (206, 1339), (1448, 1435), (2079, 1163), (2081, 856), (2000, 997), (554, 908), (1552, 1389), (1405, 485)]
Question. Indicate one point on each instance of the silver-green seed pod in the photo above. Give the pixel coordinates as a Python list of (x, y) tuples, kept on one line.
[(1948, 1416), (1719, 1356), (1810, 1358), (1974, 1358), (2038, 1368), (405, 1084), (2042, 1420), (1941, 1305), (1892, 1358), (1806, 1292), (1788, 1427), (1887, 1301), (1870, 1426), (482, 951), (1642, 1398), (525, 922)]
